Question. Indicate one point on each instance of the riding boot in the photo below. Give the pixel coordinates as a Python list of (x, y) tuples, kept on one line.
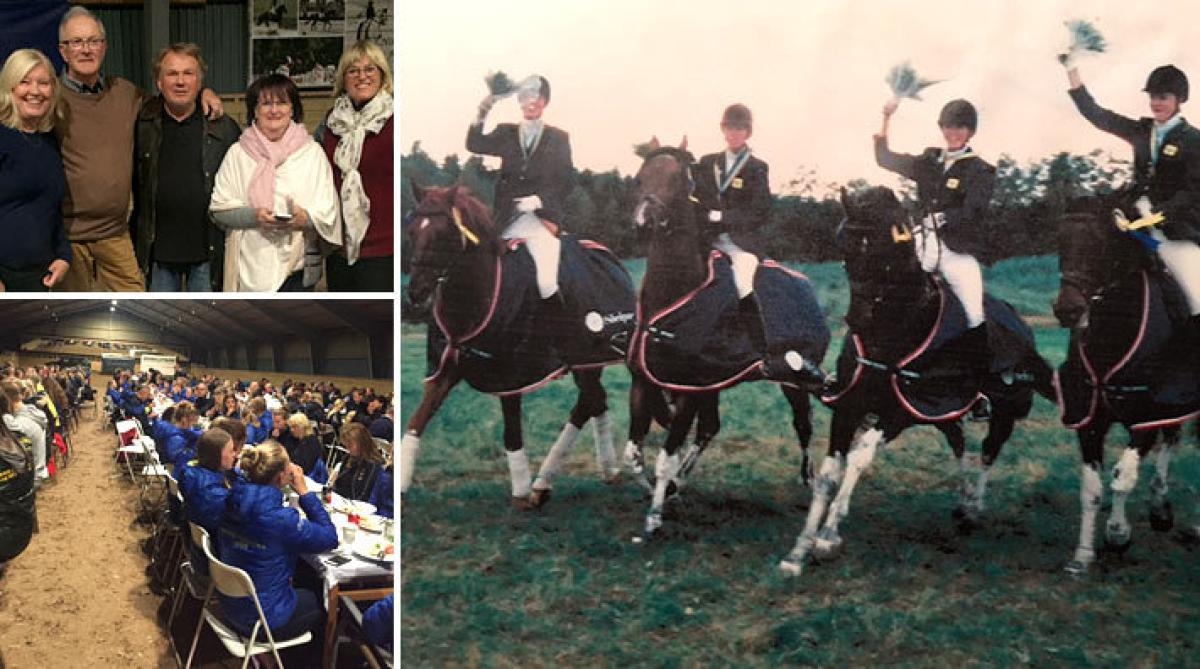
[(978, 356)]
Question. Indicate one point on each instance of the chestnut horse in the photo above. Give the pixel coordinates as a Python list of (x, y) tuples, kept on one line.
[(1132, 360), (678, 265), (459, 268), (892, 374)]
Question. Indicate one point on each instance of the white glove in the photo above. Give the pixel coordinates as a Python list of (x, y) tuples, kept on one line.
[(714, 216), (1070, 59), (1143, 206), (528, 204)]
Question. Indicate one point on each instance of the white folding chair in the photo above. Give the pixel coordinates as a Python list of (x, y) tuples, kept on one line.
[(195, 584), (233, 582)]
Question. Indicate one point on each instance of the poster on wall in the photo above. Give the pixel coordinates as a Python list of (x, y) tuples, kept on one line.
[(303, 39)]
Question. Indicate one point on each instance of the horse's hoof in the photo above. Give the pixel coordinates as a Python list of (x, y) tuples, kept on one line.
[(827, 546), (1162, 518), (523, 503), (1117, 539), (791, 567), (1076, 568), (538, 498)]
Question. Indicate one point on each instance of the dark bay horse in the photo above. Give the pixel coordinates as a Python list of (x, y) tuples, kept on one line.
[(678, 266), (1132, 360), (488, 330), (892, 374)]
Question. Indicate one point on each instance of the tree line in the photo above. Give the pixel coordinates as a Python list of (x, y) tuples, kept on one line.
[(1027, 202)]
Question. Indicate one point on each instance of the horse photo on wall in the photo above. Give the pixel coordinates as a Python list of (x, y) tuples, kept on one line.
[(273, 17)]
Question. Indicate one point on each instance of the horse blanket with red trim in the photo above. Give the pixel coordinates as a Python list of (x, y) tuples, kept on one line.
[(709, 340), (1137, 356), (931, 382), (525, 341)]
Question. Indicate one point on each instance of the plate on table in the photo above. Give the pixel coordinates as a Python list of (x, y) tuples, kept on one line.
[(348, 506), (374, 548), (371, 523)]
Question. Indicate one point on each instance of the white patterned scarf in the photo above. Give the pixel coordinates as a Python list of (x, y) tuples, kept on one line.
[(352, 126)]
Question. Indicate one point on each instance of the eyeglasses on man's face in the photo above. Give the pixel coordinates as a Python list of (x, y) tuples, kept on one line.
[(77, 44)]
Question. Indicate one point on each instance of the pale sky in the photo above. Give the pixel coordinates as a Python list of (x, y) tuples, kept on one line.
[(812, 72)]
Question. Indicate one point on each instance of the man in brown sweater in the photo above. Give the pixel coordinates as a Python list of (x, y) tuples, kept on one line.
[(97, 153)]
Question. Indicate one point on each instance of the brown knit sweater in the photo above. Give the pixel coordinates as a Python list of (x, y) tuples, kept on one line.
[(97, 154)]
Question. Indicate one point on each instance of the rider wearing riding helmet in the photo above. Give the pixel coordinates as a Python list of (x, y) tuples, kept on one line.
[(536, 176), (1166, 170), (734, 192), (954, 187)]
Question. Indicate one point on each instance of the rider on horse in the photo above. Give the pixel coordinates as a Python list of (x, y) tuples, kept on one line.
[(536, 176), (735, 197), (954, 187), (1166, 166)]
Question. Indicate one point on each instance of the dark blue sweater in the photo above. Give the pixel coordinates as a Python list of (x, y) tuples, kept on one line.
[(31, 192)]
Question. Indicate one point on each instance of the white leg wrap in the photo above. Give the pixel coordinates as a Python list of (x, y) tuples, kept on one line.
[(827, 481), (518, 470), (606, 454), (1125, 474), (981, 487), (410, 446), (554, 459), (1162, 466), (860, 457), (1091, 495), (665, 468)]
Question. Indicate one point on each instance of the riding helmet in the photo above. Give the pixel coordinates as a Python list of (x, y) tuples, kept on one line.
[(738, 116), (959, 114), (1168, 79)]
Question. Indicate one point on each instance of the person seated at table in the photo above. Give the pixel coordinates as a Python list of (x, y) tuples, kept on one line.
[(378, 623), (278, 423), (235, 428), (384, 494), (180, 434), (204, 483), (360, 472), (384, 426), (312, 406), (265, 537), (304, 448), (230, 407), (258, 421), (138, 408), (29, 422)]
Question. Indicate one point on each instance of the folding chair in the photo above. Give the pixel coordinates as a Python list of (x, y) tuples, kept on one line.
[(351, 622), (166, 539), (233, 582), (196, 584)]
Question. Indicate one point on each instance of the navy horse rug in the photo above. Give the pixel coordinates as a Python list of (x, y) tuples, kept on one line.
[(525, 342), (930, 382), (709, 339), (1137, 355)]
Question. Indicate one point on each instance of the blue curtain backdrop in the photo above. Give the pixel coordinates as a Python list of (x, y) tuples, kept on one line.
[(31, 24)]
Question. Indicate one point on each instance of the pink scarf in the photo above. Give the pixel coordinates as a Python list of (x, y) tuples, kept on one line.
[(269, 155)]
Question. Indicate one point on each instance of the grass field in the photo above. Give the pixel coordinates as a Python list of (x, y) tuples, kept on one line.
[(487, 586)]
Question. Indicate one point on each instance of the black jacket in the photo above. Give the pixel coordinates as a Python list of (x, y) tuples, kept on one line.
[(219, 135), (745, 205), (547, 173), (962, 193), (1173, 185)]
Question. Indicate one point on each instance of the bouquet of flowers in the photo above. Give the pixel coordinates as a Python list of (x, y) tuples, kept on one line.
[(906, 83), (1085, 40)]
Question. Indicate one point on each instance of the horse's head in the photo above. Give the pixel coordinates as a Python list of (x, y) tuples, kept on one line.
[(447, 224), (1092, 253), (875, 240), (662, 186)]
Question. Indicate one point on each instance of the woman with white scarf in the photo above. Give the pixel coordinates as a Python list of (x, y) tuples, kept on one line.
[(358, 140), (274, 196)]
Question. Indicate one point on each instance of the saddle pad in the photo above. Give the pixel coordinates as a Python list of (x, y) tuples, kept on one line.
[(708, 340), (525, 341)]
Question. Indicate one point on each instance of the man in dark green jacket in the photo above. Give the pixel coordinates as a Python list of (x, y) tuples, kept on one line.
[(178, 152)]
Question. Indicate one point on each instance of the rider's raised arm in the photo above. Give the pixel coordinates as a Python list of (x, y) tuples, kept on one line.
[(903, 164), (1111, 122)]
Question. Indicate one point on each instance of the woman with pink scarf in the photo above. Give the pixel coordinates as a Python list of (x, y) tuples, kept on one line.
[(274, 196)]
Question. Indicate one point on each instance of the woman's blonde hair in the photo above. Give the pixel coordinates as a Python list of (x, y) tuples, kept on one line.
[(363, 49), (262, 463), (256, 408), (357, 433), (183, 411), (18, 65), (301, 423)]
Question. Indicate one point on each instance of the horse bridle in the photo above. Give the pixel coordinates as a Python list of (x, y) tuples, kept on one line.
[(685, 161), (466, 235)]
